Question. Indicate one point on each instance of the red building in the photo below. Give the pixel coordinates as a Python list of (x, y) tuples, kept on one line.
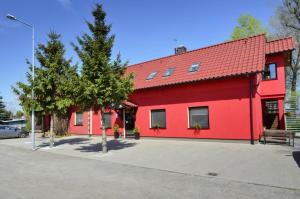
[(230, 90)]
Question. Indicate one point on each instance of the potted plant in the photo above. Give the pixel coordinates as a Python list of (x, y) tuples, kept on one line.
[(157, 125), (197, 126), (136, 132), (116, 131)]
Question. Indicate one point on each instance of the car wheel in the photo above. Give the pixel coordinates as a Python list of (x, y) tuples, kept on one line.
[(22, 135)]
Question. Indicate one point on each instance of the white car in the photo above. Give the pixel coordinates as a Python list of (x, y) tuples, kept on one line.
[(11, 132)]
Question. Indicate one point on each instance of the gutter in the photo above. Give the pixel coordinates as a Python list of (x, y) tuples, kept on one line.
[(251, 111)]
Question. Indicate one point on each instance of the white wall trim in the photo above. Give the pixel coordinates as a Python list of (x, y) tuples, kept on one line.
[(188, 116), (124, 123), (91, 122), (150, 123)]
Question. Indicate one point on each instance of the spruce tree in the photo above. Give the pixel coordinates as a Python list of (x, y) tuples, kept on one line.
[(2, 109), (54, 83), (103, 83)]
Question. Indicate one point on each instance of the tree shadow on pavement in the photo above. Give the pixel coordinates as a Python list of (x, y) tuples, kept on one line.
[(70, 141), (111, 145), (296, 156)]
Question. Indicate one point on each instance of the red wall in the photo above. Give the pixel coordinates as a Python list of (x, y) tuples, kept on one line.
[(275, 89), (227, 100), (78, 129), (96, 129), (269, 88)]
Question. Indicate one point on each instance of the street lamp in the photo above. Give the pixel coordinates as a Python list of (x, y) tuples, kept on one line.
[(12, 17)]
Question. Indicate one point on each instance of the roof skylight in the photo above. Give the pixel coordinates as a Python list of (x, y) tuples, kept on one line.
[(194, 67), (151, 75), (168, 72)]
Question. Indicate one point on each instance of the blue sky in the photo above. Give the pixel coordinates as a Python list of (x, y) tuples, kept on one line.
[(145, 29)]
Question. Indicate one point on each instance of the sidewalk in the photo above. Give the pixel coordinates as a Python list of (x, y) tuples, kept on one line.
[(268, 165)]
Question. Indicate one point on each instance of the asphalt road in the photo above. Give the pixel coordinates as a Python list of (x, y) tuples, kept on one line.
[(30, 175)]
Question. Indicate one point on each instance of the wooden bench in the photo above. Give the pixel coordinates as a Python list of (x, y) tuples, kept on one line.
[(282, 135)]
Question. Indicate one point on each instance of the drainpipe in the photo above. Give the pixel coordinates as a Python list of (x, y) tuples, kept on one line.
[(251, 111)]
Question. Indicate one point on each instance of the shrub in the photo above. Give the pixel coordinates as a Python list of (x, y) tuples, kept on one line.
[(136, 130), (116, 128)]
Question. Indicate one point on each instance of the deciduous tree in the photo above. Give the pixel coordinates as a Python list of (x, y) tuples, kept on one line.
[(287, 23), (247, 26)]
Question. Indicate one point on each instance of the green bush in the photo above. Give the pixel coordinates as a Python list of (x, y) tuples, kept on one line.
[(136, 130), (116, 128)]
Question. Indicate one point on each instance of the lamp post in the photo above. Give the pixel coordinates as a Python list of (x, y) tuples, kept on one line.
[(12, 17)]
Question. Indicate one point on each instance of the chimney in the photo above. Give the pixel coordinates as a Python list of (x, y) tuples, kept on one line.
[(180, 49)]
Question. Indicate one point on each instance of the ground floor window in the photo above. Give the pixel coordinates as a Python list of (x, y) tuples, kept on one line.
[(107, 120), (158, 118), (79, 118), (198, 116)]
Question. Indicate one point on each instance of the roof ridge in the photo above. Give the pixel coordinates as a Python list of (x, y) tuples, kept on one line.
[(209, 46)]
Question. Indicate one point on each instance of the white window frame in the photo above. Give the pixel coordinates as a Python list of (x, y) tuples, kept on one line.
[(188, 114), (76, 118), (150, 117)]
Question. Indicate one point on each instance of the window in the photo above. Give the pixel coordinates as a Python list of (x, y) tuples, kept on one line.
[(152, 75), (158, 118), (194, 67), (79, 118), (168, 72), (198, 116), (107, 120), (270, 72), (271, 107)]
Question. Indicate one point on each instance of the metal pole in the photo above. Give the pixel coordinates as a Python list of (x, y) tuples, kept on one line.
[(32, 96), (12, 17)]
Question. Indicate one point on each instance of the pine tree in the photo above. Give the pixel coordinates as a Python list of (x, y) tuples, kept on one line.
[(103, 83), (2, 109), (54, 83)]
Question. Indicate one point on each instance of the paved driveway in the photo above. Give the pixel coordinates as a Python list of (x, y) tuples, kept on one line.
[(28, 175), (268, 165)]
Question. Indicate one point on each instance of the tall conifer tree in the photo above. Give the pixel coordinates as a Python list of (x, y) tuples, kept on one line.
[(54, 83), (2, 109), (103, 83)]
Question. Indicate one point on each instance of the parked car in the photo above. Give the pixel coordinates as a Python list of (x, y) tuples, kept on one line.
[(12, 132)]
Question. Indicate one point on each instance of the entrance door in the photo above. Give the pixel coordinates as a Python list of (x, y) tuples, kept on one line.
[(271, 114), (129, 121)]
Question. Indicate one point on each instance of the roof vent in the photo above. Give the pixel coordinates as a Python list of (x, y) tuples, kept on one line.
[(180, 49)]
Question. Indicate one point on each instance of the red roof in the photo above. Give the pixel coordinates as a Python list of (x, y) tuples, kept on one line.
[(280, 45), (222, 60), (129, 104)]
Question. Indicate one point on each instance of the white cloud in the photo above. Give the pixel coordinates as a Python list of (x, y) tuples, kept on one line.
[(65, 3)]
